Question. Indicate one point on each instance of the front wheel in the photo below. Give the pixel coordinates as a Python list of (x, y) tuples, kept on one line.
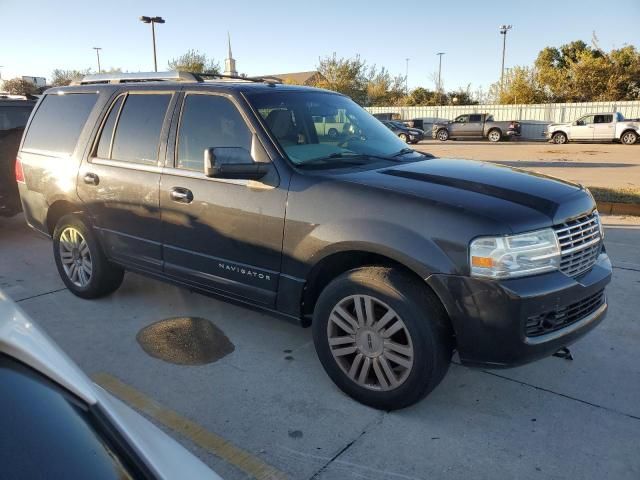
[(382, 337), (559, 138), (404, 138), (629, 138), (82, 265)]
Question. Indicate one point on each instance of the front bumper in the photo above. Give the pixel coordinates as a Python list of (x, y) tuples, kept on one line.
[(490, 317)]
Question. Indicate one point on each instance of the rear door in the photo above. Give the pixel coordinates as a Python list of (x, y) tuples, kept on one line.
[(475, 126), (219, 234), (582, 129), (603, 127), (120, 181)]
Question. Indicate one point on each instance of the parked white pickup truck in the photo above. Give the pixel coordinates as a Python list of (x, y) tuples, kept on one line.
[(600, 127)]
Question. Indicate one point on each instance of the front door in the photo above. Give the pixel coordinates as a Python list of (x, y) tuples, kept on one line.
[(120, 182), (458, 128), (603, 127), (582, 129), (221, 235)]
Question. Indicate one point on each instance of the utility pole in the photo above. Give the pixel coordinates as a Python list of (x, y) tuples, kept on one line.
[(153, 21), (440, 77), (503, 31), (97, 49), (406, 78)]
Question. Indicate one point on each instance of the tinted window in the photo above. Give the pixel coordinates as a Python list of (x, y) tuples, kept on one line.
[(209, 121), (138, 131), (107, 130), (475, 118), (58, 122), (47, 433), (603, 119), (13, 117)]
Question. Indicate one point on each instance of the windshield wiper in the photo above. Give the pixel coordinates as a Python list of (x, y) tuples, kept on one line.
[(404, 151), (338, 158)]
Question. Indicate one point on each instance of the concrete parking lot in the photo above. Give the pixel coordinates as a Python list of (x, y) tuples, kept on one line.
[(267, 410), (608, 165)]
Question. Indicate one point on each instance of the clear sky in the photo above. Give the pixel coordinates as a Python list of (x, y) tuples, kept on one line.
[(289, 35)]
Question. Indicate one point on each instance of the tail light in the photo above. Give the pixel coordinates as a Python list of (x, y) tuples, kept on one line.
[(19, 171)]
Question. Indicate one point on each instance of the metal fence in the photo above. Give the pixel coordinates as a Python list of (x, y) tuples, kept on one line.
[(547, 113), (533, 117)]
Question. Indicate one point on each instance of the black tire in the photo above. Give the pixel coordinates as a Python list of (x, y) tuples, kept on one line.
[(333, 133), (559, 138), (494, 135), (442, 134), (426, 324), (104, 278), (629, 137)]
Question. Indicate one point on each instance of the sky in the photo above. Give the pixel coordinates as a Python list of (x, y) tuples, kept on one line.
[(291, 35)]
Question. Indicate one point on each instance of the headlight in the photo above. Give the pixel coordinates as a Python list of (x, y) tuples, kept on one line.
[(515, 255)]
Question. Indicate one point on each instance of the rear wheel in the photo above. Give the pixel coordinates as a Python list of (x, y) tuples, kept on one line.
[(82, 265), (333, 133), (494, 135), (381, 337), (629, 138), (559, 138), (442, 135)]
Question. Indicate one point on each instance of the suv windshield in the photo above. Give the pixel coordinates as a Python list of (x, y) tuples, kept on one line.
[(315, 127)]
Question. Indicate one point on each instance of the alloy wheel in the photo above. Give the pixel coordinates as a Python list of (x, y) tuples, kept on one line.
[(75, 257), (370, 342), (629, 138), (494, 136)]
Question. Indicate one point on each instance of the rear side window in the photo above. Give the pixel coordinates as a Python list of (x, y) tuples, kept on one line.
[(209, 121), (475, 118), (13, 117), (58, 122), (138, 131), (104, 146), (603, 119)]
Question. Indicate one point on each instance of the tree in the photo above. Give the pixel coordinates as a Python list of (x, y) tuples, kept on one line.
[(62, 78), (461, 96), (196, 62), (384, 89), (422, 97), (18, 86), (344, 75), (520, 86)]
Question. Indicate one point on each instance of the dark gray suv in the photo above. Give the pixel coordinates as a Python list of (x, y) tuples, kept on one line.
[(395, 258)]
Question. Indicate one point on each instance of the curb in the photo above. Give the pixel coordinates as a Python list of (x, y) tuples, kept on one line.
[(617, 208)]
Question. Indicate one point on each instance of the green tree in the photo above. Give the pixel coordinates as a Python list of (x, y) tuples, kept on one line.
[(18, 86), (422, 97), (384, 89), (344, 75), (520, 86), (461, 96), (62, 78), (194, 61)]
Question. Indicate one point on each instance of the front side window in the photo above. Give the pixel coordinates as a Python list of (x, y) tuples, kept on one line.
[(137, 134), (462, 119), (349, 131), (209, 121), (588, 120), (58, 122)]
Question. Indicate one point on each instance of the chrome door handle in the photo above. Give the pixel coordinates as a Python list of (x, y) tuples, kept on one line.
[(181, 195), (91, 179)]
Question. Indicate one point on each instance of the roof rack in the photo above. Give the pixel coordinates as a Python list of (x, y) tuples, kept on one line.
[(172, 76)]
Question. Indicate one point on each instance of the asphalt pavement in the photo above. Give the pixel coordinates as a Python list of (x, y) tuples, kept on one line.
[(266, 409)]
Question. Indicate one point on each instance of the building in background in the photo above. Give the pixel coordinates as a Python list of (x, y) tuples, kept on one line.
[(230, 62)]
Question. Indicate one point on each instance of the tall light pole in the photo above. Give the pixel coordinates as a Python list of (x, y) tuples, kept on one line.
[(97, 49), (406, 78), (440, 76), (153, 21), (503, 31)]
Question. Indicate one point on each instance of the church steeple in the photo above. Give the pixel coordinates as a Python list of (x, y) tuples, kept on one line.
[(230, 63)]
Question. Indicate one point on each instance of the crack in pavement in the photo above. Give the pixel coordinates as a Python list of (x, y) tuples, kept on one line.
[(569, 397), (371, 424), (41, 295)]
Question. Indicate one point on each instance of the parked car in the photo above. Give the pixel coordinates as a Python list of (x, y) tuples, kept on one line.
[(475, 125), (599, 127), (14, 114), (394, 258), (57, 423), (404, 133)]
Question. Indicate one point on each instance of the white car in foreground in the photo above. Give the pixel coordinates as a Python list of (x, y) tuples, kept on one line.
[(598, 127), (56, 423)]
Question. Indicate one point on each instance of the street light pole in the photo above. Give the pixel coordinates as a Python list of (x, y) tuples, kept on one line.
[(97, 49), (440, 76), (406, 78), (153, 21), (503, 31)]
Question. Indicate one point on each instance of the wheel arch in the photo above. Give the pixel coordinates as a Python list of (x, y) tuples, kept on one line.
[(627, 130), (57, 210)]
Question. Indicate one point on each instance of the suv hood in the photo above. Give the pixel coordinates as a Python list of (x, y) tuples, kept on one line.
[(521, 200)]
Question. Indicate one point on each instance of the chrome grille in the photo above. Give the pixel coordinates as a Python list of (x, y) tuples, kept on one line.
[(580, 244)]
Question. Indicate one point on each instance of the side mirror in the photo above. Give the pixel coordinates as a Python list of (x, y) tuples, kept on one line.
[(233, 163)]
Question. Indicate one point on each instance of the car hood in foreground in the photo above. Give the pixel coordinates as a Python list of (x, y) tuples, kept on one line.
[(522, 200)]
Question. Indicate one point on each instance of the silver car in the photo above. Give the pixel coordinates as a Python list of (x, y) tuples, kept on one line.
[(56, 423)]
